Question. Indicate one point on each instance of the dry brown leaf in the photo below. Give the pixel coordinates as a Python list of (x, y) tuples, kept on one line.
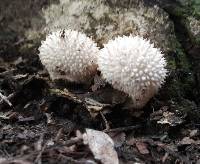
[(94, 107), (118, 138), (101, 145), (142, 147), (170, 118), (67, 94), (187, 141)]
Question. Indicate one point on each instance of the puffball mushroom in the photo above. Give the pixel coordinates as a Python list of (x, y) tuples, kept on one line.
[(133, 65), (70, 55)]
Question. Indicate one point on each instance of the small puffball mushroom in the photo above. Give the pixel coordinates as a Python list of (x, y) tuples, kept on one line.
[(133, 65), (70, 55)]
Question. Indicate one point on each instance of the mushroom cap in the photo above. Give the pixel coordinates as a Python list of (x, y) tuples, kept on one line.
[(133, 65), (69, 55)]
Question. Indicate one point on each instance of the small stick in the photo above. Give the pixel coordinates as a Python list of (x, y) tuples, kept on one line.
[(123, 128), (105, 122), (73, 141), (7, 72), (4, 98), (59, 134)]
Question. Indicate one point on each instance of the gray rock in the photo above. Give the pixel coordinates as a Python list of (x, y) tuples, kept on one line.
[(104, 21)]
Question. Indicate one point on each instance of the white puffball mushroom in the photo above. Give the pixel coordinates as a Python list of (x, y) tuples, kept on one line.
[(133, 65), (70, 55)]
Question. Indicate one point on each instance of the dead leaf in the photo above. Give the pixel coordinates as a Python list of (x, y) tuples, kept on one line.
[(4, 98), (170, 118), (131, 141), (65, 93), (194, 133), (118, 138), (101, 145), (94, 107), (20, 76), (142, 147), (187, 141), (10, 115)]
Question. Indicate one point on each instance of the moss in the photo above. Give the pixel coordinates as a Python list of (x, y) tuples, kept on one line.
[(186, 14), (178, 11), (192, 26), (183, 9), (196, 7), (188, 108), (171, 64), (177, 59), (178, 87), (181, 81), (182, 61)]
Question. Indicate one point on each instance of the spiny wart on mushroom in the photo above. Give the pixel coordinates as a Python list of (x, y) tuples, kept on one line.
[(69, 54), (133, 65)]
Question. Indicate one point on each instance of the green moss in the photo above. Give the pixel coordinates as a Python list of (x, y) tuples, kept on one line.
[(184, 9), (177, 59), (183, 62), (181, 81), (171, 64), (187, 107), (179, 11), (196, 7), (180, 85)]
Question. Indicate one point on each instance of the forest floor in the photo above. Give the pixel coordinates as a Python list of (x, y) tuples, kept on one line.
[(40, 121)]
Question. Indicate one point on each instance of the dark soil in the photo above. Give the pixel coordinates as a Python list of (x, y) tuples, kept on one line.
[(43, 118)]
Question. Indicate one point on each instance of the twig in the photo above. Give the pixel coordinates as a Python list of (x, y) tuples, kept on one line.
[(40, 148), (71, 160), (6, 99), (59, 134), (105, 122), (164, 158), (5, 73), (19, 161), (73, 141), (123, 128)]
